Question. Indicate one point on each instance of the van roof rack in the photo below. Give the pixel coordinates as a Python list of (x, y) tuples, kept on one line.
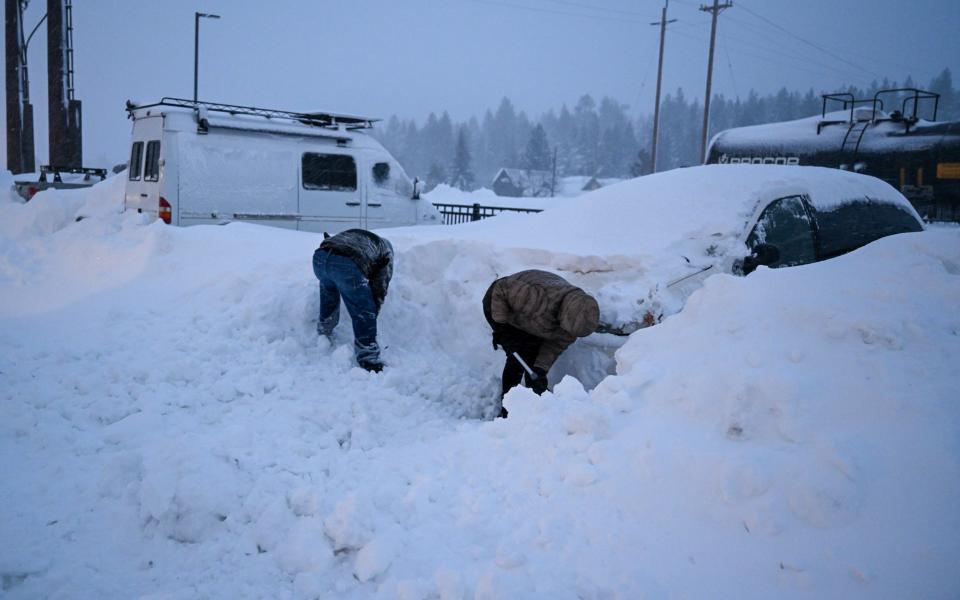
[(315, 119)]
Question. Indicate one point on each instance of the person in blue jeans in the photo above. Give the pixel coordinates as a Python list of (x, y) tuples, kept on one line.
[(355, 265)]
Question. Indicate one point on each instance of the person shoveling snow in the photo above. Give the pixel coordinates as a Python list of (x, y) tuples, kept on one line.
[(356, 265), (535, 316)]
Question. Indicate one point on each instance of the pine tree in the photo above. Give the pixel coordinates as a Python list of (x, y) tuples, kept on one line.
[(587, 136), (460, 174), (641, 165), (435, 176), (537, 154), (949, 99)]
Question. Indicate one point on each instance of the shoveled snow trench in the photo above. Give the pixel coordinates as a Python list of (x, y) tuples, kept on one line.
[(171, 426)]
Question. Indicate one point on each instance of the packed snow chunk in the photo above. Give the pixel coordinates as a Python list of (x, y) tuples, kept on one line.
[(188, 494), (271, 525), (449, 584), (376, 555), (349, 526), (305, 548)]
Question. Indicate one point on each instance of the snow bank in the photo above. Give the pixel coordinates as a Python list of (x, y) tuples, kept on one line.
[(171, 426), (7, 192), (51, 210)]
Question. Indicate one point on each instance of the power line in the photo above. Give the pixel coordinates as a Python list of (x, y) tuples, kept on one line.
[(766, 56), (597, 8), (733, 80), (808, 42), (643, 83), (764, 31), (763, 46), (554, 12)]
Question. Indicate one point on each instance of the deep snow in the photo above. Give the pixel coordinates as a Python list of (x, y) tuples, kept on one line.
[(171, 426)]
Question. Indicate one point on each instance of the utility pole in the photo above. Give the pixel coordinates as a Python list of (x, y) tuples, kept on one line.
[(656, 107), (196, 47), (714, 11)]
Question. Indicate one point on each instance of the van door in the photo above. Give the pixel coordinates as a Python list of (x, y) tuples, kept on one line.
[(388, 194), (330, 197), (143, 172)]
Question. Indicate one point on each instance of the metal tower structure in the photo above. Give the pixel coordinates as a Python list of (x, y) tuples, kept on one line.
[(20, 148), (66, 143)]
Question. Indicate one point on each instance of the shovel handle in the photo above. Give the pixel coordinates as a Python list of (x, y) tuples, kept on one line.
[(525, 366)]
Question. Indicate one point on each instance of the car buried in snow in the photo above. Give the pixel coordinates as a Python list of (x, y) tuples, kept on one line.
[(643, 246), (773, 217)]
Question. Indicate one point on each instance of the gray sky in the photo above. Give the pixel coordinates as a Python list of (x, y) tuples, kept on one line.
[(410, 57)]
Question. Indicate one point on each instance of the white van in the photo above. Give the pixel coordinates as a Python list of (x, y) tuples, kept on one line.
[(201, 162)]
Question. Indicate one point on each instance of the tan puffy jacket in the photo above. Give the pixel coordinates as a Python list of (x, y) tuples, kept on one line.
[(547, 306)]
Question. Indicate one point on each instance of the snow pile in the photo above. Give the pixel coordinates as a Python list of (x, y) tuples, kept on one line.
[(171, 426), (7, 192), (51, 210)]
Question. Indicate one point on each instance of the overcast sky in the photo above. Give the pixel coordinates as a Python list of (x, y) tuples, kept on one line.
[(410, 57)]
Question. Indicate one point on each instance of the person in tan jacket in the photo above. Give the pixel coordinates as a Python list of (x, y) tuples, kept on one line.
[(537, 315)]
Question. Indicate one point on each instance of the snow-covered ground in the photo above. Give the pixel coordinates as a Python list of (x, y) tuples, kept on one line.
[(172, 427)]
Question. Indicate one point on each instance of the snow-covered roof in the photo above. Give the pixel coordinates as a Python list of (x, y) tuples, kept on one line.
[(185, 119), (801, 135)]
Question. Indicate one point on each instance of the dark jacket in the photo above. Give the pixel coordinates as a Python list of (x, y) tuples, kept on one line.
[(372, 254), (543, 305)]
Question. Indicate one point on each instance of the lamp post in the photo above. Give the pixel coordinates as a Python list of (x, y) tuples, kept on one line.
[(196, 46)]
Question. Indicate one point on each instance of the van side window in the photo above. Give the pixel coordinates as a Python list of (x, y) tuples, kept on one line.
[(851, 225), (381, 174), (151, 165), (786, 225), (330, 172), (136, 161)]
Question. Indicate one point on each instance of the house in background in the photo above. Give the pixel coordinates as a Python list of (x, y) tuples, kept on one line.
[(575, 185), (519, 183), (592, 184), (529, 183)]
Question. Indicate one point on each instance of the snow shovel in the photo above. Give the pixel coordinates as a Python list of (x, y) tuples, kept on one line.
[(525, 366)]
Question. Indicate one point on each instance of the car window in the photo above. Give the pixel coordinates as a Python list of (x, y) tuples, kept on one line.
[(851, 225), (381, 174), (330, 172), (151, 164), (136, 162), (786, 225)]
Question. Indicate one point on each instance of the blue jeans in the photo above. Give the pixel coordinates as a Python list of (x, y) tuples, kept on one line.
[(340, 277)]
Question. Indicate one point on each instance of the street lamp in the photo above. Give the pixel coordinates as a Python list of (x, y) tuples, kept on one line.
[(196, 46)]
